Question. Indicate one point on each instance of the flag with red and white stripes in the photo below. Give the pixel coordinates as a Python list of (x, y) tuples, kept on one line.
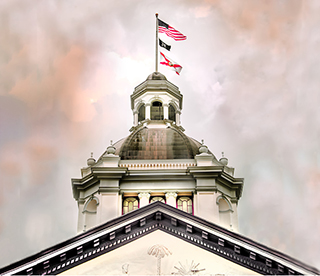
[(169, 62), (169, 31)]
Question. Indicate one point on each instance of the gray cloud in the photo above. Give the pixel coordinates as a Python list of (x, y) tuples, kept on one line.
[(250, 71)]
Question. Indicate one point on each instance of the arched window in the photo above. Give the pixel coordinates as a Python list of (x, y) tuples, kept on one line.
[(130, 204), (172, 113), (142, 113), (157, 198), (185, 204), (156, 111), (224, 212)]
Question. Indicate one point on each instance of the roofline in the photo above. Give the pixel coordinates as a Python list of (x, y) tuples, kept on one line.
[(178, 215)]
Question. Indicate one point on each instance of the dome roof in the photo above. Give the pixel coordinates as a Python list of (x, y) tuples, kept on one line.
[(156, 76), (157, 143)]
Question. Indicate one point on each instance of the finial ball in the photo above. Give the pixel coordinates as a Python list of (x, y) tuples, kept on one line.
[(91, 161)]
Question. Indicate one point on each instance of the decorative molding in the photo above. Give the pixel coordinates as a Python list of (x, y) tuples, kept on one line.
[(174, 105), (159, 216), (153, 166), (139, 104), (171, 194), (92, 197), (144, 194), (222, 196)]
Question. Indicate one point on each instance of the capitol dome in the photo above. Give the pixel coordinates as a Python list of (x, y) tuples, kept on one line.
[(157, 132), (157, 143)]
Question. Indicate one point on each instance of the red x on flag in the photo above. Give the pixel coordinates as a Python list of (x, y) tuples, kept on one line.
[(169, 62)]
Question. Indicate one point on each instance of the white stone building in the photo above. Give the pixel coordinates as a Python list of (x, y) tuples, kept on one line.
[(158, 202), (157, 161)]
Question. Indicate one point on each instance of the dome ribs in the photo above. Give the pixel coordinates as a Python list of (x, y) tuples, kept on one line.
[(164, 143)]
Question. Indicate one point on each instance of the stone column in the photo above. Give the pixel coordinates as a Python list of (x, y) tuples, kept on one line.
[(144, 199), (165, 111), (148, 107), (171, 199), (178, 112), (135, 118)]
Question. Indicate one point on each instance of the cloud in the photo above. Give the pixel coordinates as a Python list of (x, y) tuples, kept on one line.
[(250, 71)]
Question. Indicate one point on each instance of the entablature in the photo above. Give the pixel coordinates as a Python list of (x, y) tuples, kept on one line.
[(221, 178), (97, 174)]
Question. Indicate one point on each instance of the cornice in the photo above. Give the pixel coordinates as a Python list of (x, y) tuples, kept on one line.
[(156, 86), (221, 177), (97, 173), (159, 216)]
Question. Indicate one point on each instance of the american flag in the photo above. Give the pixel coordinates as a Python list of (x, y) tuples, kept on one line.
[(169, 31)]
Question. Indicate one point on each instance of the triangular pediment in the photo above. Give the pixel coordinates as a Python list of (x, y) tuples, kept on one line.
[(110, 247), (140, 258)]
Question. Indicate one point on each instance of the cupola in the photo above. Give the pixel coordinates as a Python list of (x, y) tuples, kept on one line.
[(156, 99)]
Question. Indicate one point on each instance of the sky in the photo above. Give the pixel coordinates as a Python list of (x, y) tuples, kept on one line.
[(250, 82)]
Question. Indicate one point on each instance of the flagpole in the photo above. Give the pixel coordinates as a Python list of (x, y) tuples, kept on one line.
[(157, 29)]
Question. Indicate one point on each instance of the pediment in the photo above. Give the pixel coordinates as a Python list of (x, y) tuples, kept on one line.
[(176, 256), (124, 242)]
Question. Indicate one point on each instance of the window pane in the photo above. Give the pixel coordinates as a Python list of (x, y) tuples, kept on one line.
[(172, 113), (141, 113), (130, 207), (157, 198), (130, 204), (185, 204), (156, 111)]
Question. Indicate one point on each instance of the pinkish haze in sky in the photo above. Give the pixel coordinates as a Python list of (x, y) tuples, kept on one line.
[(250, 81)]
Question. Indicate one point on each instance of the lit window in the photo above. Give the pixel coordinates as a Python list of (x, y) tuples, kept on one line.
[(130, 204), (157, 198), (185, 204)]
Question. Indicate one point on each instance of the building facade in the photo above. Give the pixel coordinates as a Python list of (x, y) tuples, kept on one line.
[(157, 162), (158, 202)]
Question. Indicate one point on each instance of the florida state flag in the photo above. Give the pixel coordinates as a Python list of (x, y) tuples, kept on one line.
[(169, 62)]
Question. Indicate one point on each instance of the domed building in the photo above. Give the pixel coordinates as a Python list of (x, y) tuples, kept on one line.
[(158, 202), (157, 162)]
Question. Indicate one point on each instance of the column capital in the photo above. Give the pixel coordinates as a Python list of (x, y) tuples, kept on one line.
[(144, 194), (171, 194)]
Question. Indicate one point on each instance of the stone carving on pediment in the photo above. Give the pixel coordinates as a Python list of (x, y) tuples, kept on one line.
[(188, 269), (125, 268), (159, 251)]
